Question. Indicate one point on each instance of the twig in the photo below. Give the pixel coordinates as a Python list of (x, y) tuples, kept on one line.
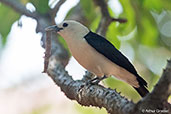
[(47, 50), (56, 9), (20, 8), (106, 19), (57, 6), (105, 13), (120, 20)]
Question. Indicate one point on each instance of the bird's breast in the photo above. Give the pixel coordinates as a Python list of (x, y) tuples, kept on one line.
[(86, 56)]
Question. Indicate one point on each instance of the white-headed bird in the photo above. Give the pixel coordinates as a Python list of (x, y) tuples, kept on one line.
[(98, 55)]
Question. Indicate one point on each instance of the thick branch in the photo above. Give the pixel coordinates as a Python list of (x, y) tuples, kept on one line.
[(99, 96), (165, 81), (157, 100), (20, 8), (94, 95)]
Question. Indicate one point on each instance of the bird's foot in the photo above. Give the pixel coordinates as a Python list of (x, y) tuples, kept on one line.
[(96, 80)]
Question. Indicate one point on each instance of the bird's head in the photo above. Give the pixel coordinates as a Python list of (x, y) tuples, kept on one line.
[(70, 29)]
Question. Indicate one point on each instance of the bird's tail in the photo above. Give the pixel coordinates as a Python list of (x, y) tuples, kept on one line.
[(142, 91)]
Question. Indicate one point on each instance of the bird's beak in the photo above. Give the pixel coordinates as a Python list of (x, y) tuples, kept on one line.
[(53, 28)]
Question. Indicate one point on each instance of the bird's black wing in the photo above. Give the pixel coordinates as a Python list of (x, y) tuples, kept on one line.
[(104, 47)]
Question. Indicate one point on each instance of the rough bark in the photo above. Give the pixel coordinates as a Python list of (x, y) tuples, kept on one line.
[(86, 95), (99, 96)]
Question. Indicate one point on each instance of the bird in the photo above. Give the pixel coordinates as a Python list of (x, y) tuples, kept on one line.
[(99, 56)]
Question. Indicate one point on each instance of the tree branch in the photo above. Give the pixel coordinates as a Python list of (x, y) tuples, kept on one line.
[(87, 95), (97, 95), (56, 9), (20, 8), (106, 19), (165, 81)]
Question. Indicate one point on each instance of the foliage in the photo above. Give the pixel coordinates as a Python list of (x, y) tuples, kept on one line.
[(89, 110), (6, 20), (41, 7)]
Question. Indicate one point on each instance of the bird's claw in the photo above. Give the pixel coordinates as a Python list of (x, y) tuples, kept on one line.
[(92, 82), (95, 81)]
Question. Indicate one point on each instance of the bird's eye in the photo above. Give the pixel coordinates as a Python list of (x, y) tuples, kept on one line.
[(65, 25)]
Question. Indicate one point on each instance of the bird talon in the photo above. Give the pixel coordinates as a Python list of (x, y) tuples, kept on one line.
[(95, 81), (92, 82)]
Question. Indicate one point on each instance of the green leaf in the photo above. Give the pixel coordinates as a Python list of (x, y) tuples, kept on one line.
[(95, 23), (166, 4), (148, 32), (8, 17), (157, 5), (112, 35), (89, 110), (88, 9), (111, 13), (153, 4), (41, 5), (129, 14)]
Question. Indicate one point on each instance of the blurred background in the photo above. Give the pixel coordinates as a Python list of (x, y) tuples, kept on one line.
[(145, 39)]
